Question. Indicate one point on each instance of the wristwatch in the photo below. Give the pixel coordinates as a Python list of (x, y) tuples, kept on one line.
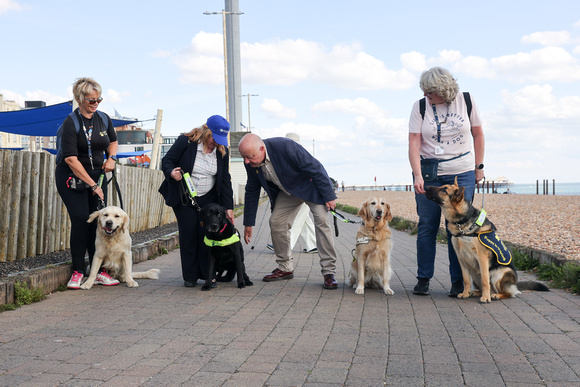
[(478, 166), (114, 157), (94, 187)]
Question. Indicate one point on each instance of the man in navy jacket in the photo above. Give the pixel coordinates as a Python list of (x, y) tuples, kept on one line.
[(290, 176)]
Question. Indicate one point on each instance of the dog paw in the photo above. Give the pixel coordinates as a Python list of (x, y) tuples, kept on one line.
[(87, 285), (463, 295), (241, 285), (485, 300), (389, 291), (205, 288), (249, 283), (359, 290), (132, 284), (495, 297)]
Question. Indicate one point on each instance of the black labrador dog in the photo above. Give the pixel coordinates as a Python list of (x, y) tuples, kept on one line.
[(226, 253)]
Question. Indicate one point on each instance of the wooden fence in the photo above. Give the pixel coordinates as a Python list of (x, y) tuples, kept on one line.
[(33, 218)]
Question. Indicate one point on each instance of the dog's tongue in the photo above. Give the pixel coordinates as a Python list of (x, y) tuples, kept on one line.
[(378, 217), (108, 230)]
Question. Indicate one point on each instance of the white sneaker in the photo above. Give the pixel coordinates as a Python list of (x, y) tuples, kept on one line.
[(75, 280), (105, 279)]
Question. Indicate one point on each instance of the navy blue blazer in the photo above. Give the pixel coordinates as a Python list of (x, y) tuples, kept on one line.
[(299, 172), (182, 154)]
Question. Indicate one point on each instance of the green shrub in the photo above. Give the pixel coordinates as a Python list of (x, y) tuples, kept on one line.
[(346, 208), (24, 294), (548, 272), (523, 261)]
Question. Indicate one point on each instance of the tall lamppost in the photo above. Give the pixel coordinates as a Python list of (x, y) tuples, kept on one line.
[(249, 121), (223, 13)]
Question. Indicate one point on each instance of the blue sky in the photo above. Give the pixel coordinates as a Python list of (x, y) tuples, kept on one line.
[(341, 74)]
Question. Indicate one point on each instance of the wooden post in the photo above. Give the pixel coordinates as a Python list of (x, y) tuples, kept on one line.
[(156, 141)]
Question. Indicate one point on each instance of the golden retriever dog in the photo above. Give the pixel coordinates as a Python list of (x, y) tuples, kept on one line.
[(492, 271), (372, 265), (113, 248)]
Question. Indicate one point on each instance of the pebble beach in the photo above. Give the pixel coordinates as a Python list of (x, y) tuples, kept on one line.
[(546, 222)]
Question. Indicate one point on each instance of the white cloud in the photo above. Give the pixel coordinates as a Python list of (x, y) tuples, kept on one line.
[(546, 64), (11, 5), (359, 106), (445, 58), (114, 96), (475, 67), (548, 38), (274, 109), (414, 61), (38, 95), (288, 62)]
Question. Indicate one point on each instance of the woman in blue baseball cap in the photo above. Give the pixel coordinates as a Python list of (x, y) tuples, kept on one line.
[(203, 154)]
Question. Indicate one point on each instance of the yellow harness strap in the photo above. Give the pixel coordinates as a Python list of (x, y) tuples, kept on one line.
[(225, 242)]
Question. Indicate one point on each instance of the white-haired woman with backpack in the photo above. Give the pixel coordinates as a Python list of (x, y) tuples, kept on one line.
[(445, 141), (87, 148)]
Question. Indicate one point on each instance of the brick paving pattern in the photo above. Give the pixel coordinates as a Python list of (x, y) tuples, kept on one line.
[(291, 333)]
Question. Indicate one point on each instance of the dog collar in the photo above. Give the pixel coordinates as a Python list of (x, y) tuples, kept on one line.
[(466, 218), (224, 242)]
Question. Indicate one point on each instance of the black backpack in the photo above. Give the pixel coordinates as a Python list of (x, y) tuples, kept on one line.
[(75, 119), (423, 104)]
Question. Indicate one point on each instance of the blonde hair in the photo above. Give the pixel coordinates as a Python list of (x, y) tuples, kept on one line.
[(202, 135), (439, 81), (83, 86)]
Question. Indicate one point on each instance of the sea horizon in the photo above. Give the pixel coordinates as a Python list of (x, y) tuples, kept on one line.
[(514, 188)]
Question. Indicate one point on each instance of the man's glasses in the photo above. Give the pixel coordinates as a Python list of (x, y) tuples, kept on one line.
[(94, 101)]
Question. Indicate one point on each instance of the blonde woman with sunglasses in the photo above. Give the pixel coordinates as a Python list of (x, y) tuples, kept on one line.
[(84, 154)]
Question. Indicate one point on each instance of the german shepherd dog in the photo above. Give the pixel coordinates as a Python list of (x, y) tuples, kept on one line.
[(478, 263), (226, 253)]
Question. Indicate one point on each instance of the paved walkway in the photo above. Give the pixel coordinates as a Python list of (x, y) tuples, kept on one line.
[(291, 333)]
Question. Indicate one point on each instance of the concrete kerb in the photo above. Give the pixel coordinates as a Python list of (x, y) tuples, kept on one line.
[(50, 278)]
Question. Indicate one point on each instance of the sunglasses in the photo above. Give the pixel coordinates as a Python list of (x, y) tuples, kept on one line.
[(94, 101)]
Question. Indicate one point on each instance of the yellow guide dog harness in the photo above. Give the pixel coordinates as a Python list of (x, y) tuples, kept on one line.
[(224, 242)]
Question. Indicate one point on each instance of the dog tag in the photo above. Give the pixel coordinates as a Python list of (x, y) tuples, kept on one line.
[(481, 218), (439, 150)]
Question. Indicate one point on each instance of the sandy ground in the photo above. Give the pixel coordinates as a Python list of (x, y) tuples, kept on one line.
[(550, 223)]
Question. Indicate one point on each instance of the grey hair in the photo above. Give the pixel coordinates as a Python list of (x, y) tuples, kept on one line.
[(83, 86), (439, 81)]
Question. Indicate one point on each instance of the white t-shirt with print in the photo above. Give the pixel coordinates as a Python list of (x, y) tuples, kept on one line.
[(456, 137)]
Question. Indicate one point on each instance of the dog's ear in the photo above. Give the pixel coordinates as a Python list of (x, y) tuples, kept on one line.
[(93, 216), (456, 182), (364, 211), (125, 225), (388, 215), (459, 194)]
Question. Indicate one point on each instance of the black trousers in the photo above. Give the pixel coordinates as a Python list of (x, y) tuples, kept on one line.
[(79, 206), (193, 252)]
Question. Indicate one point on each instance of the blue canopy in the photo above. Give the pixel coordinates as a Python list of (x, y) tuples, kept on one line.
[(132, 154), (42, 121)]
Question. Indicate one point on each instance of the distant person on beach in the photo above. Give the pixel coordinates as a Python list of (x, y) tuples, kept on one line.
[(84, 153), (303, 227), (203, 153), (440, 149), (290, 176)]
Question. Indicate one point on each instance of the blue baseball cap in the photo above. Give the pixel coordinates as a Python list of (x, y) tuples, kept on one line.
[(219, 127)]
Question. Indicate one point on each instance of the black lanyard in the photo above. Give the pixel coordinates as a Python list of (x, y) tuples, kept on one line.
[(439, 123)]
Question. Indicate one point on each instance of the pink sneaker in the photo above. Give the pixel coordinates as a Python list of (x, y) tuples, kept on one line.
[(75, 280), (105, 279)]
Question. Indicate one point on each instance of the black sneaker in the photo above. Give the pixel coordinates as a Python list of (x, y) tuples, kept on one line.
[(422, 287), (456, 288)]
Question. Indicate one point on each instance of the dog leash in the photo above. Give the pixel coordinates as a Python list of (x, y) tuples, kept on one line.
[(257, 237), (342, 219)]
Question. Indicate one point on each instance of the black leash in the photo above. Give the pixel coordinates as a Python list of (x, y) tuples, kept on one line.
[(343, 219), (103, 181)]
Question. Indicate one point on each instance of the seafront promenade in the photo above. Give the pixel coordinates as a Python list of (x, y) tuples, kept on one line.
[(291, 333)]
